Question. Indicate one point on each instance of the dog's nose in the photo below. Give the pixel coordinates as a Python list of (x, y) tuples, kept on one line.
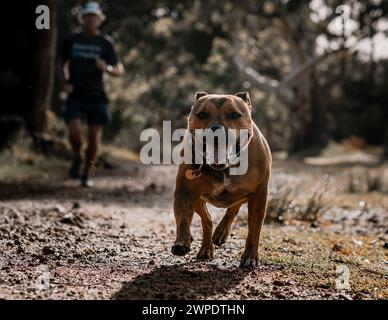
[(215, 127)]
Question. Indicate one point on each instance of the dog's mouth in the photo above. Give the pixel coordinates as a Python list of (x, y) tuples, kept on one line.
[(220, 154)]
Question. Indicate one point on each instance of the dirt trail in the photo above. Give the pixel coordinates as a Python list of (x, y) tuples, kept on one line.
[(59, 241)]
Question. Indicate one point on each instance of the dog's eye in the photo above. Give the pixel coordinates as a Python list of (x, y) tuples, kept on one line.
[(202, 115), (234, 115)]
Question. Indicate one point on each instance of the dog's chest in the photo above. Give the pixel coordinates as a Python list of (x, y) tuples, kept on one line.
[(224, 186), (224, 193)]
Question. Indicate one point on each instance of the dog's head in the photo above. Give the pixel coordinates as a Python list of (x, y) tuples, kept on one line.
[(221, 114)]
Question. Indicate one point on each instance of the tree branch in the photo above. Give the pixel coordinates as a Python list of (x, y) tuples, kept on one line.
[(308, 65), (261, 82), (313, 61)]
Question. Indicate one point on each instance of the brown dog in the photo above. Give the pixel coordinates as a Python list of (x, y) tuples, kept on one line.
[(198, 184)]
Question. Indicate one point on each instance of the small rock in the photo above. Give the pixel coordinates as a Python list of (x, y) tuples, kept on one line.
[(314, 224), (337, 247), (280, 295), (374, 219), (385, 245), (278, 283), (70, 293), (67, 218), (76, 205), (59, 209), (88, 251), (290, 240), (47, 250), (70, 218), (346, 296)]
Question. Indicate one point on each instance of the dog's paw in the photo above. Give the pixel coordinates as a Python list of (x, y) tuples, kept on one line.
[(247, 261), (180, 249), (205, 253), (219, 236)]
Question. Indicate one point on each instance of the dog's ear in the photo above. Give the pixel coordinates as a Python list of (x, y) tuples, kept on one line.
[(245, 96), (200, 94)]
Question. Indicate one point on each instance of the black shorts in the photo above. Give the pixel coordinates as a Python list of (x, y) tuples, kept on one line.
[(96, 113)]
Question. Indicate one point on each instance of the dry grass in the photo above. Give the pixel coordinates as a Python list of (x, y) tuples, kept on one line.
[(316, 204), (285, 204), (309, 258), (23, 161), (280, 204), (361, 180)]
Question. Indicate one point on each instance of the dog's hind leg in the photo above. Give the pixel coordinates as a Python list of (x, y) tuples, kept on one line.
[(257, 206), (223, 228), (207, 248)]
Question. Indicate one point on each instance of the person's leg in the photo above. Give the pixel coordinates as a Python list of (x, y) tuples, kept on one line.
[(76, 144), (75, 136), (98, 115), (94, 139)]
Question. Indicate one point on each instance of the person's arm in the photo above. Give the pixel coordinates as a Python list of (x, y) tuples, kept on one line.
[(110, 62), (67, 86), (64, 72), (114, 70)]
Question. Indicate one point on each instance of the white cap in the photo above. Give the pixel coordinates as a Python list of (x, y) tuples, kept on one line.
[(92, 7)]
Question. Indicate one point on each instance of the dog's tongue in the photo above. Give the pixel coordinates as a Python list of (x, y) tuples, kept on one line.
[(216, 155), (220, 155)]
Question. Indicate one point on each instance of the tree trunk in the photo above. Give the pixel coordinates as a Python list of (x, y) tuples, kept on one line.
[(26, 79), (304, 109)]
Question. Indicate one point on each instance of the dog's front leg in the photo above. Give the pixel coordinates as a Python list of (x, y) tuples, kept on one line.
[(223, 229), (183, 211), (207, 248), (257, 206)]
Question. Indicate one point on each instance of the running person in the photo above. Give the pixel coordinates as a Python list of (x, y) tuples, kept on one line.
[(85, 58)]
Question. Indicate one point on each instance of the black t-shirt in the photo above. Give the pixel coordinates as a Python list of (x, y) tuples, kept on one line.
[(82, 52)]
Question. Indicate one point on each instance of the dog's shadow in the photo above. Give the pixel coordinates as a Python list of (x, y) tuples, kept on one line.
[(181, 282)]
